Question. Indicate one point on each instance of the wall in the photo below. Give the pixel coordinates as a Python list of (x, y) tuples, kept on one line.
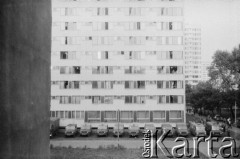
[(25, 45)]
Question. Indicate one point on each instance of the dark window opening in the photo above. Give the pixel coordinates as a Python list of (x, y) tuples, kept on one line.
[(76, 69), (171, 54), (173, 69), (170, 26), (66, 25), (65, 84), (63, 55)]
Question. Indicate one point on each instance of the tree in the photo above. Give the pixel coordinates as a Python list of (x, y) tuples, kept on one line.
[(204, 97), (225, 74)]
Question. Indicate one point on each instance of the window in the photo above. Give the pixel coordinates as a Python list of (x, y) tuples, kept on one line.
[(53, 114), (76, 84), (135, 70), (134, 11), (135, 55), (102, 84), (170, 26), (69, 84), (93, 115), (128, 99), (106, 26), (61, 114), (76, 70), (161, 99), (70, 114), (173, 69), (70, 26), (134, 99), (135, 84), (159, 115), (174, 99), (80, 115), (126, 115), (102, 70), (101, 55), (143, 115), (63, 55), (160, 69), (159, 84), (138, 26), (102, 100), (102, 11), (175, 114), (173, 84), (110, 115), (70, 99), (67, 39), (69, 69), (67, 55)]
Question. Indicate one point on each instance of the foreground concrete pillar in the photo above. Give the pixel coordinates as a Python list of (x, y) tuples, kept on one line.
[(25, 44)]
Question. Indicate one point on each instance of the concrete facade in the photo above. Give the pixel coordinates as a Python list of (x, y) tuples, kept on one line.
[(117, 60), (25, 44)]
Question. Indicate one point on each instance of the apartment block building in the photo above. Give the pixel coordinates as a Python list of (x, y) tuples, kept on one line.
[(117, 61), (193, 55), (205, 65)]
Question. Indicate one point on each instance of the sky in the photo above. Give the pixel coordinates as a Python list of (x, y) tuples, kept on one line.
[(219, 21)]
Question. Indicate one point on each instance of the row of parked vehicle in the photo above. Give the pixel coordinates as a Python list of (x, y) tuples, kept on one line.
[(210, 128), (118, 129), (181, 129)]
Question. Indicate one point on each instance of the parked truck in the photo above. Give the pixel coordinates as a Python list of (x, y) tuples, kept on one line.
[(54, 126)]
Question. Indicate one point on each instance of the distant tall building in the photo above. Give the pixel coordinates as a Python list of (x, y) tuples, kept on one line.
[(205, 65), (192, 48), (117, 60)]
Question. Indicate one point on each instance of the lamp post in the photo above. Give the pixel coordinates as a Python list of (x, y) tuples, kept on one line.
[(235, 87), (118, 126), (235, 111)]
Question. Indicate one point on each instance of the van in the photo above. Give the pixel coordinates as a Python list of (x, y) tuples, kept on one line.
[(119, 127), (197, 129), (71, 130), (102, 130), (166, 127), (182, 130), (85, 130), (150, 127), (133, 130)]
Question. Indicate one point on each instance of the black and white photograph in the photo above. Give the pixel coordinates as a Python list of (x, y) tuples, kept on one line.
[(119, 79)]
